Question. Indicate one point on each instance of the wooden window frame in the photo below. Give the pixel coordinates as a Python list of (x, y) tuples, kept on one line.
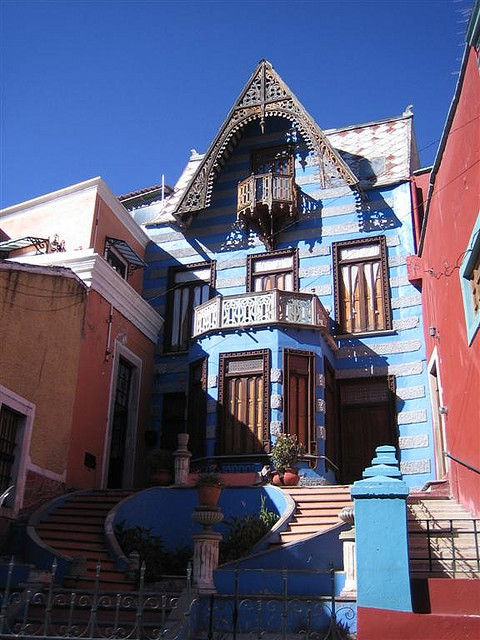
[(337, 263), (311, 444), (269, 255), (245, 355), (172, 272)]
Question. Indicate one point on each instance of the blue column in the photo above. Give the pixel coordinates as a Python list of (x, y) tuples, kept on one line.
[(380, 499)]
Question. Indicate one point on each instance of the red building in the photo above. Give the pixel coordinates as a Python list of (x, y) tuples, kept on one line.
[(447, 269)]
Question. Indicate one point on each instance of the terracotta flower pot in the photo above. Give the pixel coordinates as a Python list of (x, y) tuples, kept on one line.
[(291, 478), (208, 494), (277, 479)]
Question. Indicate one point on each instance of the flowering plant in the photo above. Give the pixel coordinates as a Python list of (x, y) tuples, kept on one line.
[(285, 452)]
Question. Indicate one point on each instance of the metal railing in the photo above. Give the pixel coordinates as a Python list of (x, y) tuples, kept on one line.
[(54, 613), (278, 613), (444, 545), (464, 464), (261, 308)]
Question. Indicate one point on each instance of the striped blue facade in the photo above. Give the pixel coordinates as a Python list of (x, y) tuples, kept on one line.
[(333, 214)]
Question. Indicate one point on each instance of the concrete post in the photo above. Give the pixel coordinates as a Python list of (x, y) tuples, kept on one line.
[(205, 559), (206, 547), (349, 557), (182, 460), (383, 576)]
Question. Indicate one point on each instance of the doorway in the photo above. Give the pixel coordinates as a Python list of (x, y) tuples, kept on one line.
[(367, 421)]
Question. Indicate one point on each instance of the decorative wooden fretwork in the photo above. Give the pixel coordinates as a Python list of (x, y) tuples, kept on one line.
[(265, 96)]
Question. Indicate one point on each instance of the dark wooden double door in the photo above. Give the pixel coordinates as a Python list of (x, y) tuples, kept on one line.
[(363, 418)]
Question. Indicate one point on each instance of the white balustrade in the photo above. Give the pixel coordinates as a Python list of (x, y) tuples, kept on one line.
[(252, 309)]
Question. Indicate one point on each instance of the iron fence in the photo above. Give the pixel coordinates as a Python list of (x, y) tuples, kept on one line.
[(277, 616), (53, 613)]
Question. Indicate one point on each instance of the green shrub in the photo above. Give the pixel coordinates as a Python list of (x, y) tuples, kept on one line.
[(244, 533), (158, 562)]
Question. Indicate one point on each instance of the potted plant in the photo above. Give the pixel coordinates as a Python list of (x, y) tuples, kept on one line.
[(285, 454), (160, 465), (208, 486)]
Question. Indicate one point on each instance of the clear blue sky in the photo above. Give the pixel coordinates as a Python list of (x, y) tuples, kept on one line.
[(125, 89)]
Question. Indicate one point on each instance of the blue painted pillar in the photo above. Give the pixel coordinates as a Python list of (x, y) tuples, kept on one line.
[(380, 499)]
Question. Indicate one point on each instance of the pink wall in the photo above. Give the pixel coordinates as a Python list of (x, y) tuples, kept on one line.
[(92, 401), (453, 212)]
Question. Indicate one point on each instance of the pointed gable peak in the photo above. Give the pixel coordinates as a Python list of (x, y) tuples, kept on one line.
[(265, 95)]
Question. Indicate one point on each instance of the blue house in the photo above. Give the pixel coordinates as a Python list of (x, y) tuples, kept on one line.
[(279, 265)]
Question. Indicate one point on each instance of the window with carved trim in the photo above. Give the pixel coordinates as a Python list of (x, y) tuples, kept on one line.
[(188, 287), (362, 301), (273, 270)]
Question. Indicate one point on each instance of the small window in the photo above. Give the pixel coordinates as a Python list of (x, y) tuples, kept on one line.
[(274, 270), (470, 283), (116, 262), (362, 302), (188, 287)]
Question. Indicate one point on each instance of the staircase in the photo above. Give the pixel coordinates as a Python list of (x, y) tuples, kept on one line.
[(76, 529), (317, 509), (444, 539)]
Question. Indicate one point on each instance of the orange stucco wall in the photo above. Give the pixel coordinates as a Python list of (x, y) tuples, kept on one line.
[(454, 209), (42, 314), (107, 224), (95, 382)]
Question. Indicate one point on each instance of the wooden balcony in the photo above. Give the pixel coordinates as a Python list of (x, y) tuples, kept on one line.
[(250, 310), (265, 202)]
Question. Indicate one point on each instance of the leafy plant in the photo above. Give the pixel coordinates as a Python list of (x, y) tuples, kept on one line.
[(151, 551), (244, 533), (285, 452)]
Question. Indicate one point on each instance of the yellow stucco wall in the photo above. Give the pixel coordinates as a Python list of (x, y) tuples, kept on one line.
[(41, 316)]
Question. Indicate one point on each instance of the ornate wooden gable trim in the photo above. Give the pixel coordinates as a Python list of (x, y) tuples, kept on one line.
[(265, 95)]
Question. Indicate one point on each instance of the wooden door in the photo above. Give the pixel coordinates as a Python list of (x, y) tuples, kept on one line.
[(367, 421), (243, 403), (197, 408), (299, 367)]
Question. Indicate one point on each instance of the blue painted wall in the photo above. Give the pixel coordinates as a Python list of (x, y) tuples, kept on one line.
[(335, 216)]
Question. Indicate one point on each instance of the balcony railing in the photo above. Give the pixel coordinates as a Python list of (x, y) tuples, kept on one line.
[(262, 308), (265, 189)]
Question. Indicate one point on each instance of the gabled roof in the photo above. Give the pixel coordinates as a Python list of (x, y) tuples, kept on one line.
[(265, 95)]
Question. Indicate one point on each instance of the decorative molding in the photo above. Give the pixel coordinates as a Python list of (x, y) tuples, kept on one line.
[(212, 382), (412, 417), (397, 370), (275, 428), (321, 405), (322, 270), (276, 375), (410, 393), (400, 281), (413, 442), (405, 302), (320, 380), (403, 324), (389, 348), (321, 433), (265, 95), (321, 291), (276, 401), (410, 467)]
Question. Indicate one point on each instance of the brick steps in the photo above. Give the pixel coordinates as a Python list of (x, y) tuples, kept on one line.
[(317, 509), (76, 529)]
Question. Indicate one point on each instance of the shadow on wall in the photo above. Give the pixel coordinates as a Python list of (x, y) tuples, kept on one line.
[(167, 511)]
